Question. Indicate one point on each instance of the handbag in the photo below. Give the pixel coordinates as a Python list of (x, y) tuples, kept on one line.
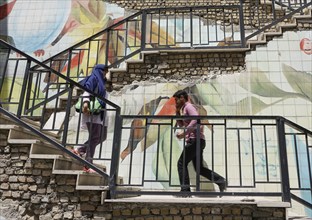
[(95, 106)]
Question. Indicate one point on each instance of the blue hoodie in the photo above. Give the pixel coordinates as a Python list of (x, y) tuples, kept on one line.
[(96, 82)]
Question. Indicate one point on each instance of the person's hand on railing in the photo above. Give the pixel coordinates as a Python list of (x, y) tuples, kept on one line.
[(86, 107), (180, 135)]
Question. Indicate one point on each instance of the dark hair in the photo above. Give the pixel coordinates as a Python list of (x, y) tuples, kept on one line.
[(180, 93)]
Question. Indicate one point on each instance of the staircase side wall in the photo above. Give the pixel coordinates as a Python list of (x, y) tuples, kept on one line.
[(29, 190), (180, 66)]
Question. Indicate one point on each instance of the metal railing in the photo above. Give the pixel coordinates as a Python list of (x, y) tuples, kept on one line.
[(36, 90), (151, 29), (202, 27), (266, 156), (23, 94)]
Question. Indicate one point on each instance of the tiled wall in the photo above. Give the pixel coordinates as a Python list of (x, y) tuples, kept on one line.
[(277, 79)]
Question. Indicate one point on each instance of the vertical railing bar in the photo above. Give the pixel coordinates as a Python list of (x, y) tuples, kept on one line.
[(107, 46), (225, 147), (285, 186), (28, 93), (66, 121), (239, 158), (171, 150), (224, 35), (144, 151), (167, 32), (175, 28), (273, 10), (309, 162), (208, 35), (159, 20), (5, 69), (266, 154), (183, 26), (297, 160), (151, 30), (198, 149), (157, 151), (131, 156), (242, 24), (216, 28), (115, 153), (79, 121), (191, 27), (253, 153), (143, 30), (258, 13), (13, 80), (200, 29), (25, 80)]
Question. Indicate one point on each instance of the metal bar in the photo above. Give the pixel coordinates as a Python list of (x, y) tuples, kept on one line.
[(115, 154), (297, 161), (66, 121), (239, 158), (285, 186), (266, 153), (22, 97), (198, 157), (242, 24), (253, 152), (143, 30)]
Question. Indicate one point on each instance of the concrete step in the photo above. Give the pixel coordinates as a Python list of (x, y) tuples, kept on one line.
[(42, 150), (8, 123)]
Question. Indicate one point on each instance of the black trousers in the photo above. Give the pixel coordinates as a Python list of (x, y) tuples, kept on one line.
[(188, 155), (97, 134)]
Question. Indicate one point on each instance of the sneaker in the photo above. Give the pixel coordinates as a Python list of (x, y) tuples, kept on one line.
[(75, 151), (184, 194), (222, 186), (88, 170)]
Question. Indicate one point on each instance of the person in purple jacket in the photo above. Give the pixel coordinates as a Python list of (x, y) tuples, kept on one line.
[(185, 108)]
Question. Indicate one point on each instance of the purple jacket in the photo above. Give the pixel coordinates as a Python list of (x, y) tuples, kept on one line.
[(190, 133)]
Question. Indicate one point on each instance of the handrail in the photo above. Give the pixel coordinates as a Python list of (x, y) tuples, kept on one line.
[(28, 101), (275, 128)]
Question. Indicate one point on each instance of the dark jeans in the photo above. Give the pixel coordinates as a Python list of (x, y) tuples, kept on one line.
[(97, 134), (188, 155)]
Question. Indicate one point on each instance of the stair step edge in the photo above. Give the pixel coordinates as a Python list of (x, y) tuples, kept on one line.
[(68, 172), (45, 156), (23, 141), (92, 188)]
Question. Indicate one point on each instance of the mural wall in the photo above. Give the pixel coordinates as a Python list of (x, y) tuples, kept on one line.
[(277, 79)]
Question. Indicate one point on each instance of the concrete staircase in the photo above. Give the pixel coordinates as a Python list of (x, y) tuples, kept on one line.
[(304, 21), (39, 149), (297, 20)]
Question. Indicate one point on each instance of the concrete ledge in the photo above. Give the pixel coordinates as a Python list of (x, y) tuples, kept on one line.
[(260, 202)]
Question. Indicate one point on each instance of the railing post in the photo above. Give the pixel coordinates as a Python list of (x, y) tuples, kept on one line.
[(115, 154), (107, 46), (23, 90), (143, 30), (198, 149), (66, 121), (285, 186), (241, 23)]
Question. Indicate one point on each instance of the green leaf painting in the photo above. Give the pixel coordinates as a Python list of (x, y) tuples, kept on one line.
[(258, 83), (213, 94), (163, 167), (301, 82)]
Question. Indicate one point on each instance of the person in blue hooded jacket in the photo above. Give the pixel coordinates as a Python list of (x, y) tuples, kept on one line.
[(97, 83)]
